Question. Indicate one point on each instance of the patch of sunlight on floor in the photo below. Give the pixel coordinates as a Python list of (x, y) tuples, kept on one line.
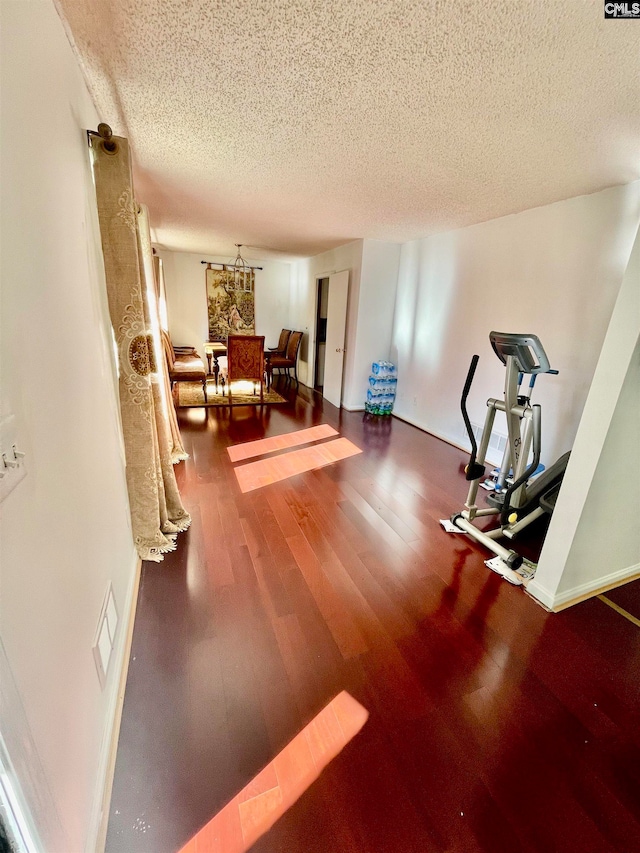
[(279, 442), (283, 781), (255, 475)]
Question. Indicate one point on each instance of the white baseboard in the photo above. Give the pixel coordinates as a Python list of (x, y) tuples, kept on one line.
[(97, 835), (423, 428), (562, 600), (540, 594), (465, 448)]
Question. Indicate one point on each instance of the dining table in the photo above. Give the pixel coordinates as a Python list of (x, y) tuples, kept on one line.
[(217, 349)]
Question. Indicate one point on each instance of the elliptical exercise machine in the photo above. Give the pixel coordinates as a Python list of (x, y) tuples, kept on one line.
[(515, 500)]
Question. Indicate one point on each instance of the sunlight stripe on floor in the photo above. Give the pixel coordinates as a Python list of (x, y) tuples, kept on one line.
[(283, 781), (279, 442), (255, 475)]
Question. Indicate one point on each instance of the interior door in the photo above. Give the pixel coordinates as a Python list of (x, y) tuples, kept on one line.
[(336, 331)]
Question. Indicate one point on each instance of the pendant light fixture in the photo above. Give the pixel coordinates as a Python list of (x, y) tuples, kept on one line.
[(241, 272)]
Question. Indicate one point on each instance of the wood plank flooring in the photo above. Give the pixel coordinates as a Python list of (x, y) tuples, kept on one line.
[(493, 726)]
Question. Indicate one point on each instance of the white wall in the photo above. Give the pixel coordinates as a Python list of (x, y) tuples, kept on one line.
[(187, 299), (593, 541), (374, 325), (554, 271), (373, 276), (65, 528), (607, 540), (302, 315)]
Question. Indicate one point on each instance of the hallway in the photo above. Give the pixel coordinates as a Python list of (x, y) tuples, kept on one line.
[(493, 725)]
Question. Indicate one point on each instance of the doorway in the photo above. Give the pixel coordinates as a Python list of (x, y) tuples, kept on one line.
[(332, 293), (322, 305)]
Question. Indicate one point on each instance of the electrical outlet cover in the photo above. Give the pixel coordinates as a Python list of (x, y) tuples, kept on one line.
[(12, 475)]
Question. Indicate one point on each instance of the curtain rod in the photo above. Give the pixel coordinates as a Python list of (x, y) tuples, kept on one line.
[(105, 134), (220, 264)]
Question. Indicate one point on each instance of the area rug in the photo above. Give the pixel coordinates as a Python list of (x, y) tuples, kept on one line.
[(188, 394)]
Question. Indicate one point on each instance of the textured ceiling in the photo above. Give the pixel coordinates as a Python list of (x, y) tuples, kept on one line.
[(302, 124)]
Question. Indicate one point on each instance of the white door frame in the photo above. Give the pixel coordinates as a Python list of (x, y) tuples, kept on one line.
[(312, 339), (311, 363), (337, 310)]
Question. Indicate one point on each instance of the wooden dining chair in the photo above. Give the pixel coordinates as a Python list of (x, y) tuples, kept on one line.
[(283, 340), (245, 361), (290, 358)]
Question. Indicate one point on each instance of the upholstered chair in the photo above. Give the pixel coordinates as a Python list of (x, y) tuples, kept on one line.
[(184, 364), (245, 361)]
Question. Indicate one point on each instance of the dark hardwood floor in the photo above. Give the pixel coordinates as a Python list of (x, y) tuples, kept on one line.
[(493, 725)]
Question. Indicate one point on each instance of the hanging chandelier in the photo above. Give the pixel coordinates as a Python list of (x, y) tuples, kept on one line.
[(241, 271)]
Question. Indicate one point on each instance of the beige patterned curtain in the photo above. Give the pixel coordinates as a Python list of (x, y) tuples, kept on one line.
[(158, 268), (157, 514), (178, 452), (160, 382)]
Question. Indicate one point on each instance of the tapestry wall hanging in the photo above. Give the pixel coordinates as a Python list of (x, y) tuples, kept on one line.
[(230, 303)]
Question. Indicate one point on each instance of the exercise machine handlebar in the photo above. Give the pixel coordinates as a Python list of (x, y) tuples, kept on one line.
[(474, 470)]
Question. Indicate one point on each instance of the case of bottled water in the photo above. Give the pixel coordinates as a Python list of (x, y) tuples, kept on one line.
[(381, 393)]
